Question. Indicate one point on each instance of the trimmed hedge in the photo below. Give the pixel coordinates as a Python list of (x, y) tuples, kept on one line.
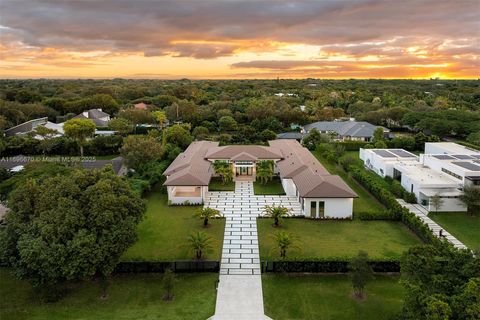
[(326, 266), (352, 145), (161, 266)]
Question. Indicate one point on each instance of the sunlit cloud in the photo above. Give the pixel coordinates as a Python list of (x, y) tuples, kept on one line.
[(234, 39)]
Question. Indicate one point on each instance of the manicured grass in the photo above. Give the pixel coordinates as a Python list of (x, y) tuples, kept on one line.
[(336, 238), (312, 297), (131, 296), (273, 186), (216, 184), (461, 225), (365, 202), (164, 231)]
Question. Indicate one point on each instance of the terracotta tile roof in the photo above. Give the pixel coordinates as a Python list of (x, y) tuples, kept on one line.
[(190, 168), (141, 106), (254, 152), (308, 174)]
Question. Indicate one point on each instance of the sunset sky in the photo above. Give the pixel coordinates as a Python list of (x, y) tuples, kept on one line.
[(239, 39)]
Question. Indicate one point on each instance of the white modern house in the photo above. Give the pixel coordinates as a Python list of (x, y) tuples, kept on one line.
[(444, 170), (320, 194)]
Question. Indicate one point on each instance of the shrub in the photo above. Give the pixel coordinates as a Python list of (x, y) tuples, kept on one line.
[(409, 197)]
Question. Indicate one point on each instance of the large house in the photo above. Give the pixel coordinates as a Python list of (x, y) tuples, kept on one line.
[(30, 126), (99, 117), (444, 170), (320, 194), (345, 130)]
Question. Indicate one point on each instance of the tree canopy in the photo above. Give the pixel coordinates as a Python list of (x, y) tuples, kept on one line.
[(71, 226)]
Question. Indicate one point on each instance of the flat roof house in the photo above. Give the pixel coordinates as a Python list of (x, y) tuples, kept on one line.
[(345, 130), (320, 194), (444, 170)]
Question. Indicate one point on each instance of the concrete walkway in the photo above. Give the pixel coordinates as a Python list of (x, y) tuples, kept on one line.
[(239, 294), (422, 213)]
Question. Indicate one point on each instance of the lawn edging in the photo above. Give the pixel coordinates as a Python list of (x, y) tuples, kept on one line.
[(181, 266), (312, 265)]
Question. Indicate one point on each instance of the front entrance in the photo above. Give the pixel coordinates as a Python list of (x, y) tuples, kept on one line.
[(244, 171)]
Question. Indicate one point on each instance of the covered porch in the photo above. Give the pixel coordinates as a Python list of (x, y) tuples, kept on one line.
[(186, 194)]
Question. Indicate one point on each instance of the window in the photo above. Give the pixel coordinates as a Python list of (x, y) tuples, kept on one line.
[(452, 174)]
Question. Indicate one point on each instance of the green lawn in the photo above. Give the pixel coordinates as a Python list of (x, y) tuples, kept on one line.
[(216, 184), (323, 297), (462, 225), (365, 202), (130, 297), (337, 238), (273, 186), (164, 231)]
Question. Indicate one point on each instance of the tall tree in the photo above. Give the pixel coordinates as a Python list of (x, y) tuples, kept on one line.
[(79, 130), (47, 136), (121, 125), (139, 151), (71, 226), (471, 198)]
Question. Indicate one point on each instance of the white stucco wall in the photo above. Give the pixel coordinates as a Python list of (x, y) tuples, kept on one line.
[(289, 187), (449, 204), (334, 207)]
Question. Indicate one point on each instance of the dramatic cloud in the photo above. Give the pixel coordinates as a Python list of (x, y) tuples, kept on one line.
[(90, 34)]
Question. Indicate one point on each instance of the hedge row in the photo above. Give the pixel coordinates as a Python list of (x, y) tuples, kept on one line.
[(161, 266), (326, 266), (394, 210), (352, 145)]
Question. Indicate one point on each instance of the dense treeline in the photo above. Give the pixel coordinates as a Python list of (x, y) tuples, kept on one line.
[(247, 111)]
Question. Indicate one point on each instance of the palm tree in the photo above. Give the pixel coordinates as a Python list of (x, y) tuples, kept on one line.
[(264, 171), (206, 213), (277, 213), (224, 170), (200, 243), (284, 241), (471, 198)]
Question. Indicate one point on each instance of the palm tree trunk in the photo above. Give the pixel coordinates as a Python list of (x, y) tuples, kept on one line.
[(205, 222), (81, 150)]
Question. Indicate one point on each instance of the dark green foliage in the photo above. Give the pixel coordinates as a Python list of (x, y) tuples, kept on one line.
[(440, 280), (69, 227), (321, 265)]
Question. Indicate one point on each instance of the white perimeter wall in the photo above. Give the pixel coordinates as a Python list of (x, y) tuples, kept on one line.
[(334, 207)]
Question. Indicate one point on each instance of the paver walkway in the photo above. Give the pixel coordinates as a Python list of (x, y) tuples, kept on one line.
[(422, 213), (239, 293)]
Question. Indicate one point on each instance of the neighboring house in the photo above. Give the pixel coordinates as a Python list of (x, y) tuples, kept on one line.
[(17, 164), (345, 130), (291, 135), (320, 194), (429, 175), (99, 117), (141, 106), (30, 126)]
